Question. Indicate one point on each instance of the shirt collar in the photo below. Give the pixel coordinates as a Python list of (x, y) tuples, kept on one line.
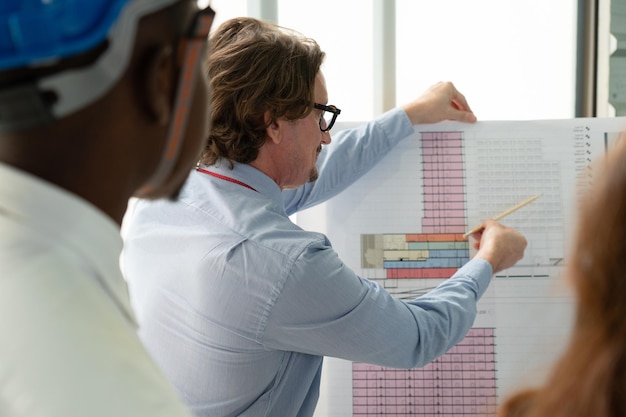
[(250, 176), (71, 221)]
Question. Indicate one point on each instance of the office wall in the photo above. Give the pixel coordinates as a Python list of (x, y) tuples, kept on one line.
[(512, 60)]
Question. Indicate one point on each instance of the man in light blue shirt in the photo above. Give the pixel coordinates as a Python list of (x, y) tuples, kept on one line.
[(238, 304)]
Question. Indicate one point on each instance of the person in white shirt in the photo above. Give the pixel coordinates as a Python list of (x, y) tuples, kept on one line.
[(100, 100)]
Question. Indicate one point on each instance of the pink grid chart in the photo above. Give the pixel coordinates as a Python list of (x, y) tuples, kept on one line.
[(460, 383), (444, 183)]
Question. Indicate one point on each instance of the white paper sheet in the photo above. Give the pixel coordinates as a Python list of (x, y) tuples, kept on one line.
[(403, 219)]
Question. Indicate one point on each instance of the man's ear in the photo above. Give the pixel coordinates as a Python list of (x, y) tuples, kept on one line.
[(159, 83), (273, 130)]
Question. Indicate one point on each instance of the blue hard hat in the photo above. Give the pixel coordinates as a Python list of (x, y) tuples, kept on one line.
[(34, 31), (41, 32)]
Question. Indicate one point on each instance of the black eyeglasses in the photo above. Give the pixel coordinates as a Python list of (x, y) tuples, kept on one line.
[(328, 116)]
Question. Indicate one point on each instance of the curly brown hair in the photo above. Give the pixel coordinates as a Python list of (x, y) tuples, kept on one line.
[(256, 69)]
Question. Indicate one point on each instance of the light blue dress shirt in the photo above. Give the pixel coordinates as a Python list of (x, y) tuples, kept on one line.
[(239, 305)]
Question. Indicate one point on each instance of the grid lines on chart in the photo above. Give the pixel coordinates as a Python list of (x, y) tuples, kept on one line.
[(460, 383), (440, 249)]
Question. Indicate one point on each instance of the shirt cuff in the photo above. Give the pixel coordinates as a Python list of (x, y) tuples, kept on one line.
[(480, 271), (395, 124)]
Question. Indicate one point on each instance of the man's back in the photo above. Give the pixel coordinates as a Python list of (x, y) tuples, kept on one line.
[(239, 305), (65, 312), (217, 353), (97, 104)]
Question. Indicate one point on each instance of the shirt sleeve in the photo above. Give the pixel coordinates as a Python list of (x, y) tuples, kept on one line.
[(351, 154), (326, 309)]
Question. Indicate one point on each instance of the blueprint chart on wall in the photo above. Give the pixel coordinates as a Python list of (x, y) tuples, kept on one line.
[(402, 225)]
